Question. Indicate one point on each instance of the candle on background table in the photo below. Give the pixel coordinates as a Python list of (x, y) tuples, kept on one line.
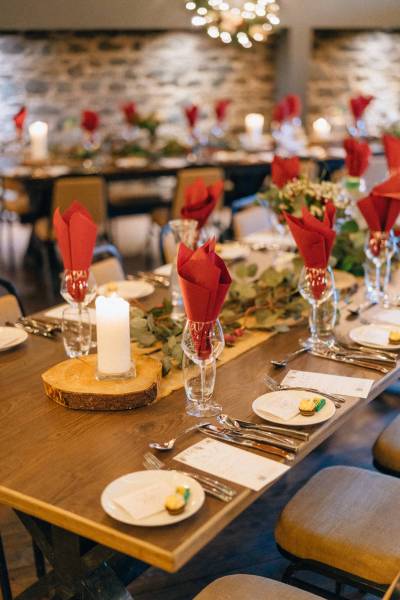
[(254, 124), (322, 129), (113, 338), (38, 137)]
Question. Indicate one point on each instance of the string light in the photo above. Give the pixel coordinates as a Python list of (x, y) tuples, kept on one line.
[(240, 21)]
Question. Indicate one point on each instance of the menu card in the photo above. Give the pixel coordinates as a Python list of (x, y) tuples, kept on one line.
[(232, 464), (329, 384)]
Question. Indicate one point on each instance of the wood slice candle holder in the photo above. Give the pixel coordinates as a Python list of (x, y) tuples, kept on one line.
[(73, 384)]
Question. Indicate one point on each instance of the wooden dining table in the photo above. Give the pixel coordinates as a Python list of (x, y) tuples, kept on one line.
[(56, 463)]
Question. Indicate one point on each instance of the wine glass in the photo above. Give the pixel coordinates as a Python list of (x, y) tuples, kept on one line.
[(379, 249), (78, 288)]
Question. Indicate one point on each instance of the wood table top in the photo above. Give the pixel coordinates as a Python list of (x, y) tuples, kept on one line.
[(56, 462)]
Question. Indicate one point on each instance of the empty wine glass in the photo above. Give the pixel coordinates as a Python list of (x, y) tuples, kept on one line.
[(379, 249)]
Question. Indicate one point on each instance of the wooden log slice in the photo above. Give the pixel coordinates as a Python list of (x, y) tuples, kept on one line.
[(73, 384)]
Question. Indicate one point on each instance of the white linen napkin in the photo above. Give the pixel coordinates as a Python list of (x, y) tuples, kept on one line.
[(146, 501)]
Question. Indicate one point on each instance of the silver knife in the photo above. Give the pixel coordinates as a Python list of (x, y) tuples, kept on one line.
[(295, 433), (262, 437), (351, 361)]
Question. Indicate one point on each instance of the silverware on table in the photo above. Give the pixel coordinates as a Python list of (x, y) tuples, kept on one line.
[(289, 357), (286, 431), (359, 354), (274, 438), (51, 327), (256, 436), (212, 487), (278, 387), (33, 330), (160, 280), (169, 445), (331, 355), (343, 344), (357, 310)]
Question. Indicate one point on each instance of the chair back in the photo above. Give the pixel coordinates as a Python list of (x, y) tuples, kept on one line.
[(9, 309), (251, 220), (109, 269), (167, 245), (187, 177), (89, 191)]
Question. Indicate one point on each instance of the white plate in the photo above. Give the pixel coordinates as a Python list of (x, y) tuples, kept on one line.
[(232, 251), (140, 479), (127, 289), (131, 162), (323, 415), (172, 162), (11, 337), (374, 336), (57, 170)]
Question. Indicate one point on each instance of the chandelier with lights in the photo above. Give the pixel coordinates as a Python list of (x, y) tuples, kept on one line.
[(235, 20)]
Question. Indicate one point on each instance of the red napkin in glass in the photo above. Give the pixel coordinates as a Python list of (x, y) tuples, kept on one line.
[(221, 108), (357, 157), (314, 239), (19, 119), (392, 152), (284, 170), (293, 103), (192, 115), (200, 201), (76, 236), (90, 120), (204, 281), (358, 106), (130, 112)]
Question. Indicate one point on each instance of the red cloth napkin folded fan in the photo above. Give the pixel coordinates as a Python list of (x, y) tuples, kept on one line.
[(284, 170), (357, 157), (392, 152), (200, 201)]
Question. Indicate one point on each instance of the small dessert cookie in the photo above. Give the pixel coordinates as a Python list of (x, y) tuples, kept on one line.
[(307, 408), (394, 336), (175, 504)]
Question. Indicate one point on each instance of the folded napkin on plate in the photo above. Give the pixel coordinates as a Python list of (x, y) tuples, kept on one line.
[(392, 152), (284, 170), (284, 408), (90, 120), (314, 239), (357, 157), (144, 502), (358, 105), (19, 119), (192, 115), (204, 281), (288, 108), (200, 201), (130, 113), (221, 108), (76, 236)]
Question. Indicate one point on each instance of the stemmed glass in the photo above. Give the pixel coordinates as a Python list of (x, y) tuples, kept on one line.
[(202, 344), (317, 286), (78, 288), (184, 230), (379, 249)]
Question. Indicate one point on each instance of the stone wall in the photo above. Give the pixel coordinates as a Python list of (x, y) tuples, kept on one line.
[(352, 62), (58, 74)]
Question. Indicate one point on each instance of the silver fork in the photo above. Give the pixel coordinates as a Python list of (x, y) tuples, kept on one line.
[(212, 487)]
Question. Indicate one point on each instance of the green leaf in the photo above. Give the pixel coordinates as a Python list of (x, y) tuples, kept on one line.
[(252, 270), (349, 227), (139, 324), (248, 292), (146, 339), (241, 271), (272, 278), (166, 365)]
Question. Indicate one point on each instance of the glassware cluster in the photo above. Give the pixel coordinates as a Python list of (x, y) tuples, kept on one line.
[(78, 288)]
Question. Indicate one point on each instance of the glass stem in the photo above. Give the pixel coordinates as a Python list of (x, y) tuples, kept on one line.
[(314, 317), (202, 380), (80, 326), (378, 278)]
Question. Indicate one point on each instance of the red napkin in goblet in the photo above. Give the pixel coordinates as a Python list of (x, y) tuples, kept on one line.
[(392, 152), (293, 103), (192, 115), (76, 236), (90, 120), (221, 109), (314, 239), (204, 281), (357, 157), (19, 119), (284, 170), (130, 112), (358, 105), (200, 201)]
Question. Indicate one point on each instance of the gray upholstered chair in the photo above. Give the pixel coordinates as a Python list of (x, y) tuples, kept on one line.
[(386, 449)]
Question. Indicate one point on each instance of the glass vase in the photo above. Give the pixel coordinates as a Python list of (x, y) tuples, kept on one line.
[(379, 249), (184, 230), (202, 344), (76, 331), (317, 286)]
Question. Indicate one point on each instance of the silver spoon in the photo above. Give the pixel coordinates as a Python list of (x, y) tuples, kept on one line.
[(289, 357), (165, 446)]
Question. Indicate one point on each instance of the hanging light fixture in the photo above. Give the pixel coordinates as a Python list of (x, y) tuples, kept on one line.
[(235, 20)]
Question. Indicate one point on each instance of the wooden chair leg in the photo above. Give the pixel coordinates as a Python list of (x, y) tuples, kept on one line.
[(40, 565), (4, 578)]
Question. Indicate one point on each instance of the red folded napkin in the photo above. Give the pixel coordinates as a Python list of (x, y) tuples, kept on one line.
[(90, 120), (19, 119), (288, 108), (204, 281), (358, 105), (284, 170), (314, 239), (200, 201), (221, 108), (392, 152), (130, 112), (76, 236), (192, 115), (357, 157)]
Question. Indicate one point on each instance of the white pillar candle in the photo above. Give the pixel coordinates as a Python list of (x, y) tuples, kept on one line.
[(322, 129), (254, 124), (38, 136), (113, 336)]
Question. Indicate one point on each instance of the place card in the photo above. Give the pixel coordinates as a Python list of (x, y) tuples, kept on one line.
[(329, 384), (57, 313), (146, 501), (233, 464)]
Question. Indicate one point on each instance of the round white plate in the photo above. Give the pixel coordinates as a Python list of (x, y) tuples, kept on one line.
[(164, 270), (234, 251), (323, 415), (57, 170), (128, 483), (374, 336), (11, 337), (129, 162), (127, 289)]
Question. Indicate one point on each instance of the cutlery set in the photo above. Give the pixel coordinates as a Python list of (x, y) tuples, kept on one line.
[(151, 277), (46, 329)]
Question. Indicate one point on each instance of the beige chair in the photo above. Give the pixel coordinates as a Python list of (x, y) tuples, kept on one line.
[(251, 220), (107, 270), (187, 177), (386, 450), (345, 522), (9, 309)]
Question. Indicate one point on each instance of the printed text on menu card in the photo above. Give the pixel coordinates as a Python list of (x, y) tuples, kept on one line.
[(330, 384)]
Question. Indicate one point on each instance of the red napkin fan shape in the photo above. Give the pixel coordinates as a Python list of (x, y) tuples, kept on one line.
[(392, 152), (76, 236), (221, 109), (284, 170), (314, 239), (358, 105), (288, 108), (201, 200), (90, 120), (357, 157), (204, 281), (19, 119), (130, 112), (192, 115)]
